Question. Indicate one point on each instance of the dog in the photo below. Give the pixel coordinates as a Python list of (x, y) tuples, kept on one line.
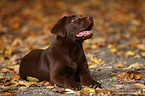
[(64, 62)]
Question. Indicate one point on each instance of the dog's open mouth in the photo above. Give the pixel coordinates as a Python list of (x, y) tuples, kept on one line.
[(86, 32)]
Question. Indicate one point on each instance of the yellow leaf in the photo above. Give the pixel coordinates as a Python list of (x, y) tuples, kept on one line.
[(129, 53), (134, 65), (94, 46), (32, 79), (96, 61), (87, 90), (113, 50), (10, 87), (88, 41), (89, 55), (143, 54)]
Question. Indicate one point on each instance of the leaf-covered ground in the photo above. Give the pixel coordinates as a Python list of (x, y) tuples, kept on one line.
[(116, 53)]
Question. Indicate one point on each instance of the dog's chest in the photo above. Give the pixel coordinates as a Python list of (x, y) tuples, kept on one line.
[(74, 66)]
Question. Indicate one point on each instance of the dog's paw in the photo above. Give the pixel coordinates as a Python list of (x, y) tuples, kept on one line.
[(95, 84), (74, 85)]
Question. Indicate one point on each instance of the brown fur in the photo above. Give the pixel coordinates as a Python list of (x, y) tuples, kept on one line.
[(64, 62)]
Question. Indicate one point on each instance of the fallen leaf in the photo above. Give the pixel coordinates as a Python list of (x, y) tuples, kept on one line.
[(87, 90), (114, 78), (7, 94), (118, 66), (129, 53), (44, 82), (134, 43), (137, 56), (17, 42), (137, 93), (96, 61), (130, 75), (62, 91), (15, 68), (141, 47), (93, 66), (143, 54), (22, 88), (27, 84), (113, 50), (138, 85), (32, 79), (16, 25), (15, 77), (9, 87), (5, 70), (134, 65), (107, 92), (49, 87), (69, 91), (94, 46), (119, 85)]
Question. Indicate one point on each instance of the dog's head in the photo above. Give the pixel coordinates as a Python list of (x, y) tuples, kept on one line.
[(74, 27)]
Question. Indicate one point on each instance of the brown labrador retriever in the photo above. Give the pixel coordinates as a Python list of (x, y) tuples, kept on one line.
[(64, 62)]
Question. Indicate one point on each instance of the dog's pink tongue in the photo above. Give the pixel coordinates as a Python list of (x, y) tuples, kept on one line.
[(83, 33)]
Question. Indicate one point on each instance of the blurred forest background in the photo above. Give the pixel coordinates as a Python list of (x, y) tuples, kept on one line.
[(23, 19), (26, 24)]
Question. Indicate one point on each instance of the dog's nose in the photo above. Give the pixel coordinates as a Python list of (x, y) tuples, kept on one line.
[(89, 18)]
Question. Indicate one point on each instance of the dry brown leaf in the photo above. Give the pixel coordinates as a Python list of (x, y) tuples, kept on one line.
[(130, 75), (107, 92), (7, 94), (15, 26), (15, 77)]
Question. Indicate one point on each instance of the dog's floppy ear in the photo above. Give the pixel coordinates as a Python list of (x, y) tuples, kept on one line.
[(59, 28)]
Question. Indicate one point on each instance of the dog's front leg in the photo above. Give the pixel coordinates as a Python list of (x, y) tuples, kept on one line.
[(61, 78), (86, 78)]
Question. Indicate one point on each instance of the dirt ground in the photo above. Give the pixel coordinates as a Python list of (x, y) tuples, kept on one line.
[(115, 53)]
